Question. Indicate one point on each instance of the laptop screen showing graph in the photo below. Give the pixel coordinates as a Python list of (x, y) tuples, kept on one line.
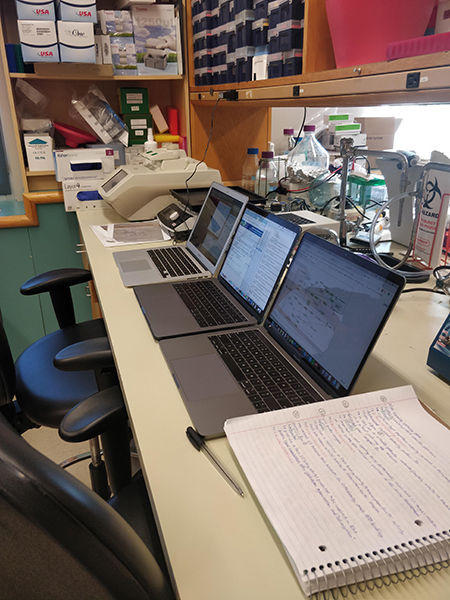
[(330, 309)]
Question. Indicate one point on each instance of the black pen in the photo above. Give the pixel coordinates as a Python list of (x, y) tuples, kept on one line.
[(199, 443)]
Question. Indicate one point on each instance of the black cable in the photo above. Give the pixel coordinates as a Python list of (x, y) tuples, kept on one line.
[(423, 290), (327, 203), (301, 128), (187, 203), (326, 180), (356, 208), (207, 146), (367, 162)]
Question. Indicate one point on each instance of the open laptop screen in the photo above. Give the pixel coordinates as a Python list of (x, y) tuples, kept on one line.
[(261, 246), (330, 310), (215, 223)]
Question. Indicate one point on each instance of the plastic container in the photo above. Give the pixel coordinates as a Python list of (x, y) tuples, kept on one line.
[(367, 189), (290, 35), (292, 9), (361, 31), (150, 144), (275, 68), (249, 169), (288, 141), (308, 159), (266, 175), (260, 9), (293, 63), (322, 190)]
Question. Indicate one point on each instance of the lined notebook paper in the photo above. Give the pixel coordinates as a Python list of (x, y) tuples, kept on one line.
[(356, 488)]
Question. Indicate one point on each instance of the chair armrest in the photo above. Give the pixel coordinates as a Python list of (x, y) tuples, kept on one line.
[(94, 416), (93, 354), (58, 284), (54, 280)]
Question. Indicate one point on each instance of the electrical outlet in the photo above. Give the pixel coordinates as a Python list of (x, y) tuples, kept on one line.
[(412, 80)]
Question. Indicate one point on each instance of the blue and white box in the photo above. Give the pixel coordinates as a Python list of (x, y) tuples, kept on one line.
[(84, 163), (36, 10), (84, 11), (116, 22), (76, 42), (38, 41), (156, 36), (39, 148), (123, 55)]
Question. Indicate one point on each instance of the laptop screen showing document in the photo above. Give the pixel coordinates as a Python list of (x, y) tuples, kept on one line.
[(209, 236), (261, 247), (329, 302)]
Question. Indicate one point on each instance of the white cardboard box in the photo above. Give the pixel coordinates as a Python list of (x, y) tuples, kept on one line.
[(123, 55), (82, 194), (380, 133), (38, 41), (39, 149), (115, 22), (42, 10), (83, 163), (156, 38), (443, 18), (260, 65), (128, 3), (106, 50), (84, 11), (76, 42), (98, 50)]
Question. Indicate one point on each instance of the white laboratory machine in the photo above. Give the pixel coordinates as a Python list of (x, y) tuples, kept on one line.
[(140, 192)]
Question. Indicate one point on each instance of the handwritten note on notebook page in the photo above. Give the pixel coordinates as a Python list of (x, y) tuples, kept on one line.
[(355, 488)]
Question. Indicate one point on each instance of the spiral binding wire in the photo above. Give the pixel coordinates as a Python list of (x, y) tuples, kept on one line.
[(354, 569)]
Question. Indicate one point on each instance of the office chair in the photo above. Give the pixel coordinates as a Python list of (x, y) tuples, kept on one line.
[(44, 393), (101, 415), (60, 540)]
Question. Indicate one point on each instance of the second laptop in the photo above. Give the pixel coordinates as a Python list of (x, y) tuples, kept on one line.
[(255, 262)]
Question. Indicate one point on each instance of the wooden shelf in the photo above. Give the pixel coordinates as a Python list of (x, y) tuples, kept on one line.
[(40, 173), (401, 65), (94, 77)]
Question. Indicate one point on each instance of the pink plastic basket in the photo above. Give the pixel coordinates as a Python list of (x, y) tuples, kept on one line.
[(362, 29), (429, 44)]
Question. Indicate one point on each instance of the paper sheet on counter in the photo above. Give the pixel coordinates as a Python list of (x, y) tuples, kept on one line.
[(123, 234)]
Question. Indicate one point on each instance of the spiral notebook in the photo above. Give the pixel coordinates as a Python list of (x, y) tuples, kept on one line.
[(357, 488)]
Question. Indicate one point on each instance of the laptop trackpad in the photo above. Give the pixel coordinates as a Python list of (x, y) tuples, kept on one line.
[(203, 377), (135, 265)]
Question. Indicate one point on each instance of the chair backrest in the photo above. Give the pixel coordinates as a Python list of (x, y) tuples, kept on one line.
[(7, 371), (60, 540)]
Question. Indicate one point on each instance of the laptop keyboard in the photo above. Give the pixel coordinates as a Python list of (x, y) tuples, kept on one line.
[(173, 262), (207, 304), (265, 376), (295, 219)]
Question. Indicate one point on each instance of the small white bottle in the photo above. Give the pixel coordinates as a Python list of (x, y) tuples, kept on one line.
[(150, 144)]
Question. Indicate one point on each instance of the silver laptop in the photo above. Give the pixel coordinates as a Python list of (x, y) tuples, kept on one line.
[(325, 320), (204, 249), (239, 296)]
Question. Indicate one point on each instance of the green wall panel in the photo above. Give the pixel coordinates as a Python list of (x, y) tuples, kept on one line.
[(54, 245), (25, 252), (21, 316)]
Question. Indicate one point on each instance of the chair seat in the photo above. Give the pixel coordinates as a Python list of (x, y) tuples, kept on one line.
[(44, 393)]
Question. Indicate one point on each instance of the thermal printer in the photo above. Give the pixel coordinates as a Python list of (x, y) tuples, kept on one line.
[(140, 192)]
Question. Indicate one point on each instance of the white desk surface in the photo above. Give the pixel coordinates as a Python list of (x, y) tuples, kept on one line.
[(221, 546)]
